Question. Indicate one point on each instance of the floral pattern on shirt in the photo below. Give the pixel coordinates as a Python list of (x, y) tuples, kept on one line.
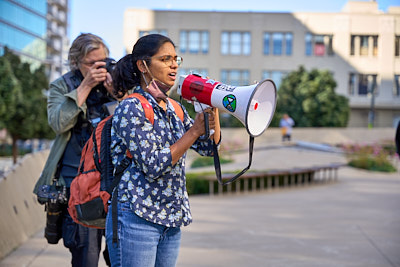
[(155, 189)]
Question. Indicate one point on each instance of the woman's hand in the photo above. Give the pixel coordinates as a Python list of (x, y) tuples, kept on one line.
[(199, 124), (197, 130)]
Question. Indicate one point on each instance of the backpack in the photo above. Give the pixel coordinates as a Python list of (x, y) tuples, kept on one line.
[(92, 188)]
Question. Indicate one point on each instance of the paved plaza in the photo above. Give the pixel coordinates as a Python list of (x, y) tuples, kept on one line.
[(352, 222)]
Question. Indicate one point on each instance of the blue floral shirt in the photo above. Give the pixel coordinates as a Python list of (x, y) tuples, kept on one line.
[(155, 189)]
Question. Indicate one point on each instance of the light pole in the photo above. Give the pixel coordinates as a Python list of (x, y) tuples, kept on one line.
[(371, 94)]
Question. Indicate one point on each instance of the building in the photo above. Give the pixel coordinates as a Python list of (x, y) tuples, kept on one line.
[(36, 30), (360, 45)]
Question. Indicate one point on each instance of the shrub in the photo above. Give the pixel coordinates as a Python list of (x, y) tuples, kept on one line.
[(375, 157), (196, 184)]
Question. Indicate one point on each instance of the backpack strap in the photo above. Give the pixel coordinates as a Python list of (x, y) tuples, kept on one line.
[(178, 109), (72, 79), (148, 109)]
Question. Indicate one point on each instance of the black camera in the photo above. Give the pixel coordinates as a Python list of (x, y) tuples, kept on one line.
[(55, 198), (52, 192), (110, 64), (54, 217)]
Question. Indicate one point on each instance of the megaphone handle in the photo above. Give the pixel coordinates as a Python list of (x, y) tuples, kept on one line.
[(217, 163), (207, 128)]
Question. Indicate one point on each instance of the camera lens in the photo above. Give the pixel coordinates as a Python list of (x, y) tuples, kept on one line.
[(53, 229)]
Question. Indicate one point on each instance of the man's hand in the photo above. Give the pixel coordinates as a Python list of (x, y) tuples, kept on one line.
[(93, 77)]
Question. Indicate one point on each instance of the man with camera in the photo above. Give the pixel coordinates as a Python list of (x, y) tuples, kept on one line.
[(75, 106)]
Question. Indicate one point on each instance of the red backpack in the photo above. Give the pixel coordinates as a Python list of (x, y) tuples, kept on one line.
[(92, 188)]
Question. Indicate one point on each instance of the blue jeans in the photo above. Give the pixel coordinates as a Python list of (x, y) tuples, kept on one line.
[(141, 243)]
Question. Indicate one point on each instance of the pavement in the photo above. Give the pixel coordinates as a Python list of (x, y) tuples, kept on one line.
[(352, 222)]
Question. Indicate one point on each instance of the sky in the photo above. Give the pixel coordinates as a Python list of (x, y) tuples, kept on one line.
[(105, 17)]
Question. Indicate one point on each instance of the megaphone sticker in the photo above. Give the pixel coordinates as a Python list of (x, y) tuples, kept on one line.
[(225, 87), (229, 102)]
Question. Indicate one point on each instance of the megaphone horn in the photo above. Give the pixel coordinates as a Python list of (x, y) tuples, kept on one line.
[(254, 105)]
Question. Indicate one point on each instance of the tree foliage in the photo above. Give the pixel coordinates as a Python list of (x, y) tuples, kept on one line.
[(23, 106), (310, 99)]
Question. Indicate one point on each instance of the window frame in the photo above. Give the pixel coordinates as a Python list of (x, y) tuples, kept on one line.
[(237, 43)]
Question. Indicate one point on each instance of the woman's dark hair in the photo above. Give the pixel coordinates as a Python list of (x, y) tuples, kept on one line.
[(126, 74)]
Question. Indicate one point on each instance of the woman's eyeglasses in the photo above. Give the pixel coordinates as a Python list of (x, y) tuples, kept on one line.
[(168, 60)]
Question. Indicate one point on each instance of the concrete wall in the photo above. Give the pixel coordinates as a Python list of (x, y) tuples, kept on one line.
[(21, 215)]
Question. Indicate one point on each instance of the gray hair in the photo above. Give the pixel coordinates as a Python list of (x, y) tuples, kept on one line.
[(83, 45)]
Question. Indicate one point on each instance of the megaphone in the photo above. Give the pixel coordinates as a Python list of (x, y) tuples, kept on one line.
[(253, 105)]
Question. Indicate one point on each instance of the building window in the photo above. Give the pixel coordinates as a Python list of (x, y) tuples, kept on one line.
[(375, 46), (352, 45), (281, 43), (352, 84), (267, 40), (397, 46), (288, 43), (364, 45), (194, 42), (318, 44), (308, 40), (275, 75), (277, 43), (235, 77), (396, 87), (235, 43), (362, 84), (162, 32), (16, 16), (21, 41), (367, 84), (187, 71)]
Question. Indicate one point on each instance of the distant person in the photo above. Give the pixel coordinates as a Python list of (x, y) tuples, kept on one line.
[(286, 124), (75, 105)]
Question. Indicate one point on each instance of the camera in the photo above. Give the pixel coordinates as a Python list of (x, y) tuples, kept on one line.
[(54, 217), (110, 64), (52, 192), (55, 199)]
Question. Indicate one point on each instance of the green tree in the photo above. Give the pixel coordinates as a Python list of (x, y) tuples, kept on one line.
[(24, 112), (310, 99), (10, 96)]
